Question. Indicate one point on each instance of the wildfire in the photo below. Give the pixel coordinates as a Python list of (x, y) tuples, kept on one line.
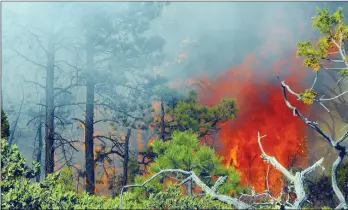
[(262, 108)]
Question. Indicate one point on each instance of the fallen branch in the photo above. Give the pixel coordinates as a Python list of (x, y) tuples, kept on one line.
[(223, 198)]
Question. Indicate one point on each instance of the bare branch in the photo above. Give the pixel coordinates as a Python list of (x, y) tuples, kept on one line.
[(36, 83), (335, 144), (38, 40), (68, 64), (329, 99), (28, 59), (296, 179), (62, 90), (105, 120), (80, 121), (273, 161), (218, 182), (315, 80), (223, 198)]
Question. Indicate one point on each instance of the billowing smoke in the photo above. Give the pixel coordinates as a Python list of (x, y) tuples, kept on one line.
[(211, 41), (220, 35)]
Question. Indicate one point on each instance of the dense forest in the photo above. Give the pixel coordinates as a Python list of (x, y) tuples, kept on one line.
[(134, 105)]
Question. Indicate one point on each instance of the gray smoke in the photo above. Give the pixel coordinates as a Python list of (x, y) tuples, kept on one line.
[(215, 36)]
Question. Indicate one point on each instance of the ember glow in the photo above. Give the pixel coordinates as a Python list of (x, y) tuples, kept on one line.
[(262, 108)]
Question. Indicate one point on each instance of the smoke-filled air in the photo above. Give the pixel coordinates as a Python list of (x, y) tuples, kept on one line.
[(174, 105)]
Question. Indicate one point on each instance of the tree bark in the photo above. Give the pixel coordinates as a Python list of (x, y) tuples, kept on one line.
[(49, 128), (126, 158), (89, 123)]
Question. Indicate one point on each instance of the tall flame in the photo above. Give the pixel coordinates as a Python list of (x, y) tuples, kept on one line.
[(262, 108)]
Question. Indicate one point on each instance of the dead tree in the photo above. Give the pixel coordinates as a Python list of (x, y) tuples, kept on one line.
[(320, 57), (89, 122), (296, 179), (49, 43), (336, 144), (126, 158)]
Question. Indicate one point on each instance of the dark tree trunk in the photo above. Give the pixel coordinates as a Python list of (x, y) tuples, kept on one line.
[(89, 124), (126, 158), (49, 128), (39, 151)]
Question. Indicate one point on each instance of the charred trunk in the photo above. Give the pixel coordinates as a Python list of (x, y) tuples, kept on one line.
[(126, 158), (49, 128), (89, 124)]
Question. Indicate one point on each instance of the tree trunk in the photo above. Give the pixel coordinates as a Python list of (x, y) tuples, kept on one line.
[(89, 124), (39, 153), (49, 128), (126, 158)]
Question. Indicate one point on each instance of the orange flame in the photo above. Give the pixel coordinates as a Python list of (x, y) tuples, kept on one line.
[(262, 108)]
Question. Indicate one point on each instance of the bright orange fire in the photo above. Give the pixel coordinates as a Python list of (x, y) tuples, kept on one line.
[(262, 108)]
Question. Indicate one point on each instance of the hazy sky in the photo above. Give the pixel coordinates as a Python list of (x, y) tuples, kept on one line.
[(211, 37)]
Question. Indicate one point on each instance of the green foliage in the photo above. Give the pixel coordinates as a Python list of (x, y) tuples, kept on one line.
[(344, 72), (325, 20), (115, 179), (133, 169), (13, 165), (56, 191), (334, 31), (185, 152), (66, 179), (188, 114), (19, 192), (311, 55), (172, 198), (308, 96), (5, 126)]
